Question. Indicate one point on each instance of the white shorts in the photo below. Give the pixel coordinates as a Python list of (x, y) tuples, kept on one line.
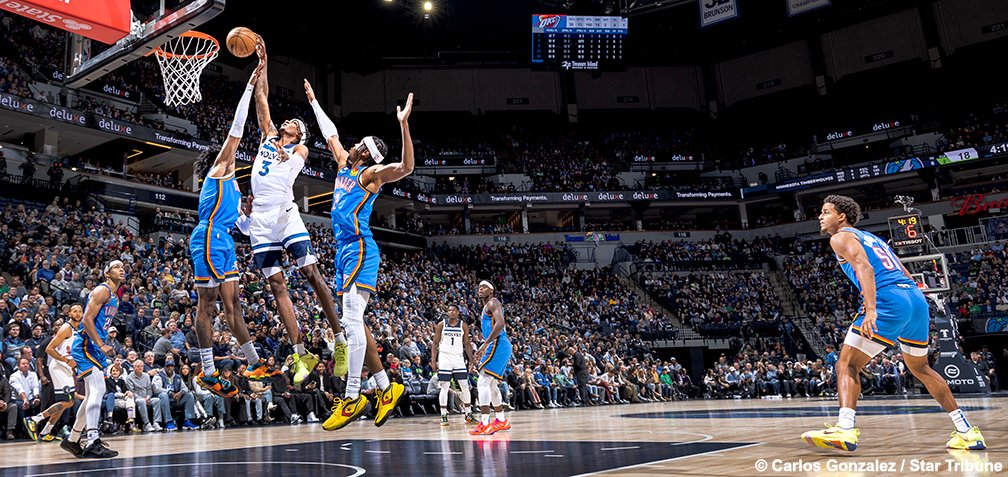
[(274, 229), (64, 384), (449, 365)]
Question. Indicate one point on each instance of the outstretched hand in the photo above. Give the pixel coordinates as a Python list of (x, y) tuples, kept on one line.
[(404, 113), (260, 49), (309, 92)]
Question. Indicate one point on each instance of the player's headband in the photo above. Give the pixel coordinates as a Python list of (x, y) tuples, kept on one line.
[(112, 265), (372, 147), (487, 284)]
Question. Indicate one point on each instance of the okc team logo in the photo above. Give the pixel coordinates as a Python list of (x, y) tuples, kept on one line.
[(549, 21)]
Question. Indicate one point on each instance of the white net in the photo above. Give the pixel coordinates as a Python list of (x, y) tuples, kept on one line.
[(182, 61)]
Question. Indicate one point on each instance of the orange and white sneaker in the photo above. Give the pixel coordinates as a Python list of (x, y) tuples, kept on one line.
[(500, 425), (483, 430)]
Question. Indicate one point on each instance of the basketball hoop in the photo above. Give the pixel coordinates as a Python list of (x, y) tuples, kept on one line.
[(182, 61)]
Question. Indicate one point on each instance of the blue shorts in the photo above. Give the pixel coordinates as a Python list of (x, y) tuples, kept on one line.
[(212, 251), (496, 357), (87, 355), (903, 316), (357, 262)]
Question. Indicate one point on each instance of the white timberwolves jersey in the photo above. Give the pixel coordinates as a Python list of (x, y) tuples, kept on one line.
[(451, 340), (272, 180), (63, 349)]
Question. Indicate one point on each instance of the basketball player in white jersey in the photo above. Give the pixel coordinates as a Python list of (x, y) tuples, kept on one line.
[(451, 337), (275, 225), (61, 372)]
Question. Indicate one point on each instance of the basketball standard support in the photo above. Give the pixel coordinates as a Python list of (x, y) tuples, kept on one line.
[(153, 35), (961, 374), (932, 277)]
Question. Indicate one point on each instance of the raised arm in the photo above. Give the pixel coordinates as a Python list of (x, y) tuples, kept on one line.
[(328, 128), (392, 172), (261, 96), (225, 163)]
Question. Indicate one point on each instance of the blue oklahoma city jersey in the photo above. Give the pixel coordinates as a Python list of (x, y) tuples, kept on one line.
[(351, 209), (219, 201), (497, 355), (887, 266), (84, 351)]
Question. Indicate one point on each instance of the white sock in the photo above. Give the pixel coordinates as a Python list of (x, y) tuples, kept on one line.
[(352, 386), (485, 419), (340, 339), (248, 349), (206, 356), (92, 435), (959, 419), (299, 349), (381, 378), (48, 428), (846, 419), (501, 415), (37, 418)]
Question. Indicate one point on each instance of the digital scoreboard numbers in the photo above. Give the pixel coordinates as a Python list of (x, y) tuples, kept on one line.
[(570, 42), (906, 231)]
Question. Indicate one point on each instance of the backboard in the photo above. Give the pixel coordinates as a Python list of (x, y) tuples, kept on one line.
[(929, 271), (150, 30)]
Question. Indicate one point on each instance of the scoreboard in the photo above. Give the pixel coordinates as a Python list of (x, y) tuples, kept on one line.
[(906, 231), (570, 42)]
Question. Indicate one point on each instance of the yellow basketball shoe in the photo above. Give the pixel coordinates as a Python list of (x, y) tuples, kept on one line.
[(339, 356), (303, 365), (833, 437), (387, 401), (346, 411), (971, 440)]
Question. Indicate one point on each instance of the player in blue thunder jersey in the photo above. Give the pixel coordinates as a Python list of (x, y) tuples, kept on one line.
[(89, 349), (893, 310), (495, 353), (359, 180), (212, 251)]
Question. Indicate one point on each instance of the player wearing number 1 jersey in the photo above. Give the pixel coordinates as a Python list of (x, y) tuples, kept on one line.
[(893, 310), (450, 347)]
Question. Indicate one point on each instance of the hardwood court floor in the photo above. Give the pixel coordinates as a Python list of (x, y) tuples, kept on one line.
[(899, 436)]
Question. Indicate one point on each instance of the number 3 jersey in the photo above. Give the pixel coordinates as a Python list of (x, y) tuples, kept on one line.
[(272, 180), (887, 266)]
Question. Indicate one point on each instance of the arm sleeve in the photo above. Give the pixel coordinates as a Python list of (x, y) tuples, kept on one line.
[(241, 113), (325, 124)]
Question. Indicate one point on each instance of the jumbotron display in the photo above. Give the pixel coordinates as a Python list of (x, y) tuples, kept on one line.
[(568, 42)]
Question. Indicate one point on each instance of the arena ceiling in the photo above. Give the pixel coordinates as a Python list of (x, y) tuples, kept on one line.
[(365, 35)]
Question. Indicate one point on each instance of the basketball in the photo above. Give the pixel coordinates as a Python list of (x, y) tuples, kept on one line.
[(241, 41)]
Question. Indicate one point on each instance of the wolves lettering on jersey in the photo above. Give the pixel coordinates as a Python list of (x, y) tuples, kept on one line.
[(451, 340), (220, 201), (272, 180), (887, 266), (351, 209)]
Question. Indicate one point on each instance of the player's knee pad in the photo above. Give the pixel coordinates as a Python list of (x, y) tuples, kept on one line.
[(484, 387)]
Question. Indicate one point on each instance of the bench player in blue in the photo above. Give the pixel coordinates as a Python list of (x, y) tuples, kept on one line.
[(89, 349), (495, 354), (212, 251), (359, 179), (893, 310)]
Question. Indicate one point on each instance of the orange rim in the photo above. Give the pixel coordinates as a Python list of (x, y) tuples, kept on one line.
[(191, 34)]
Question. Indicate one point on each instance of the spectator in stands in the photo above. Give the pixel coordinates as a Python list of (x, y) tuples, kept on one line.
[(13, 343), (27, 389), (171, 388), (139, 383), (8, 407)]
